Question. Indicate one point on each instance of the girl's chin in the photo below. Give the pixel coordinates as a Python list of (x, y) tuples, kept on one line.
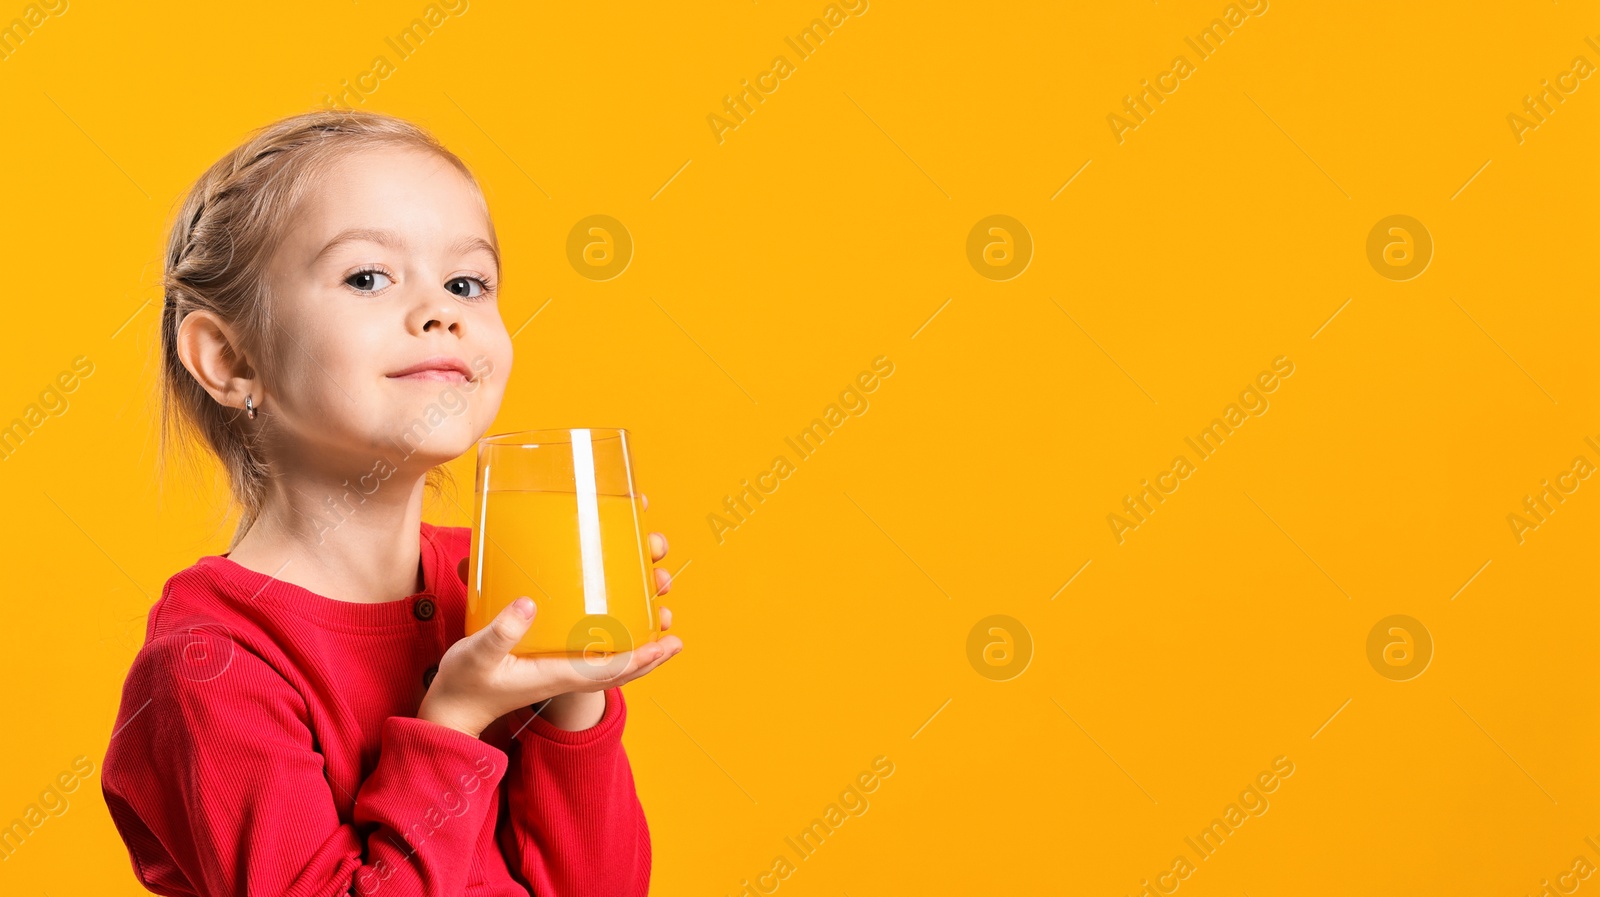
[(430, 445)]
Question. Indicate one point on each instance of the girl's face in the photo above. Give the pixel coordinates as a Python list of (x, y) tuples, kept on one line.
[(388, 266)]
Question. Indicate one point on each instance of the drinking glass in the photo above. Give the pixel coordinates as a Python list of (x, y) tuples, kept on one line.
[(556, 517)]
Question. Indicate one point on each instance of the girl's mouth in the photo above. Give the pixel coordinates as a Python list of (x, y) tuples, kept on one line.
[(433, 374), (445, 368)]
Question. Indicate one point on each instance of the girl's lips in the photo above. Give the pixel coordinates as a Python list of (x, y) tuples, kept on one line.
[(435, 374), (446, 363)]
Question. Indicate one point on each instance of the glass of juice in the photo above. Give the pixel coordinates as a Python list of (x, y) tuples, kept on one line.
[(556, 517)]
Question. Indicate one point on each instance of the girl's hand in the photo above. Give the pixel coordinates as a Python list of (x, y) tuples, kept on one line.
[(479, 680)]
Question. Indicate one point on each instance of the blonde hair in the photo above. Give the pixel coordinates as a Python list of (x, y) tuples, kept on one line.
[(218, 248)]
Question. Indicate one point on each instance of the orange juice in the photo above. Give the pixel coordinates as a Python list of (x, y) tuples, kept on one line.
[(579, 557)]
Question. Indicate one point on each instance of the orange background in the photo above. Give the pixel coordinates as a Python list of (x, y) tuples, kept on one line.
[(829, 229)]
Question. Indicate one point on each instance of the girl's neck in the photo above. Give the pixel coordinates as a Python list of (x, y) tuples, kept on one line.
[(334, 541)]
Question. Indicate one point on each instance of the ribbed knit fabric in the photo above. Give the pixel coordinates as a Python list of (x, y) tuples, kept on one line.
[(267, 745)]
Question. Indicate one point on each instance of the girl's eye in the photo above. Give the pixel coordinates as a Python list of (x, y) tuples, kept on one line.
[(368, 281), (467, 287)]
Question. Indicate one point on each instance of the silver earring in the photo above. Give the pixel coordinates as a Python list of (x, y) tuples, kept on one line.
[(249, 407)]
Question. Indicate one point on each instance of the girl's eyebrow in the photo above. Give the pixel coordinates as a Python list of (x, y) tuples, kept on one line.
[(358, 235), (470, 244), (394, 241)]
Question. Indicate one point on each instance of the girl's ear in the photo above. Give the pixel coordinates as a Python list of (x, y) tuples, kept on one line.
[(208, 348)]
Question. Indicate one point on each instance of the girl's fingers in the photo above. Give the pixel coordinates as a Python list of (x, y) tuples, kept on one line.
[(583, 673), (663, 581), (666, 619), (645, 670), (644, 500), (494, 642), (671, 650), (591, 673), (658, 546), (667, 645), (639, 663)]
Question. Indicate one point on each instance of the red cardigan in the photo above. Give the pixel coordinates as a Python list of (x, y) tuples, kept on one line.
[(267, 744)]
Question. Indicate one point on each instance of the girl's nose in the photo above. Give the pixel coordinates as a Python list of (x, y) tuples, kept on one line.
[(434, 313)]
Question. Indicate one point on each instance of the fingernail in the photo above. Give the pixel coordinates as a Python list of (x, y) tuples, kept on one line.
[(524, 607)]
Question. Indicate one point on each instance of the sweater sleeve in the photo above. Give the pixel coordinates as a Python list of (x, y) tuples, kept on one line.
[(576, 824), (216, 785)]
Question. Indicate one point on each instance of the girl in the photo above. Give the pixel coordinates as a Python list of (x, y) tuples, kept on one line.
[(305, 716)]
